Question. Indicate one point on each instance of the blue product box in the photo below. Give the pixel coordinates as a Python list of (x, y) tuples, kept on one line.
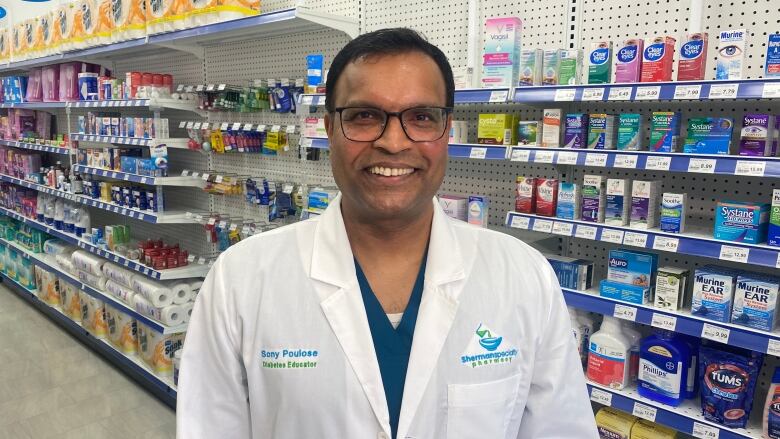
[(576, 274), (709, 135), (772, 67), (713, 292), (741, 222), (755, 301), (568, 201), (129, 164), (314, 71), (632, 267), (636, 294)]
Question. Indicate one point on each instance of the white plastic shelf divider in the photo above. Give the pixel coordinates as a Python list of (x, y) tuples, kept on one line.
[(36, 147), (188, 271), (143, 179), (689, 243), (130, 141)]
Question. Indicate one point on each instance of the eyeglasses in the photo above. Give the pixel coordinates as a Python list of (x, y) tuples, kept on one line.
[(367, 124)]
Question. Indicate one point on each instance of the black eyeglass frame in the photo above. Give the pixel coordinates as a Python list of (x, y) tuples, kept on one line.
[(447, 111)]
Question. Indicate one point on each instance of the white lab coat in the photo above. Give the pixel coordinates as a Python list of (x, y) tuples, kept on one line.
[(295, 288)]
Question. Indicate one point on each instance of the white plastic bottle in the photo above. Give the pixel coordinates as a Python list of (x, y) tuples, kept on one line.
[(609, 355), (772, 408), (636, 339), (577, 329), (588, 324)]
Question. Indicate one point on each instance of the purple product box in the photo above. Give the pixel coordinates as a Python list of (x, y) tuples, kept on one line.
[(628, 60), (757, 135), (575, 133)]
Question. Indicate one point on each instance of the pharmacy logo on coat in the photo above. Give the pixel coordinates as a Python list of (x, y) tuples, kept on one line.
[(483, 349)]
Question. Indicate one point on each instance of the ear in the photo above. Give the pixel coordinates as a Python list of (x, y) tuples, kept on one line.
[(329, 119)]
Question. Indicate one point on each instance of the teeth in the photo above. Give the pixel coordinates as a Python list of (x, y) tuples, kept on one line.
[(390, 172)]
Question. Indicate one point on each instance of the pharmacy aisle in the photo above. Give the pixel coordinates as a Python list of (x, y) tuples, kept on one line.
[(52, 386)]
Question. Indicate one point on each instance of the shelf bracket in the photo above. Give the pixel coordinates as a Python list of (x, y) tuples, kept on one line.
[(192, 49)]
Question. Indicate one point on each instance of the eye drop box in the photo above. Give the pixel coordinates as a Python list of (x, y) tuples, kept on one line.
[(496, 129), (600, 62), (551, 66), (546, 196), (618, 201), (713, 293), (629, 132), (670, 286), (673, 212), (575, 274), (756, 135), (527, 132), (693, 57), (772, 60), (657, 59), (525, 201), (635, 294), (530, 67), (741, 222), (755, 301), (709, 135), (551, 128), (478, 210), (632, 267), (628, 60), (454, 206), (644, 204), (601, 131), (575, 134), (773, 234), (731, 54), (594, 198), (570, 67), (501, 52), (568, 201), (665, 131)]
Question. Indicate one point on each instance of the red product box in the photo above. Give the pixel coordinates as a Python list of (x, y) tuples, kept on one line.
[(546, 196), (657, 59), (526, 195)]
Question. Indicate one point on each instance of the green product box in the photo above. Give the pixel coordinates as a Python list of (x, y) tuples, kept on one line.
[(497, 129), (570, 67), (629, 132), (527, 132)]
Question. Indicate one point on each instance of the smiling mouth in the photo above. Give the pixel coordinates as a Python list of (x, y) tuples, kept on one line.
[(389, 171)]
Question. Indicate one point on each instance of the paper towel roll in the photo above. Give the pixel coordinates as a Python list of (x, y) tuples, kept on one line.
[(118, 274), (170, 315), (93, 315), (157, 349), (120, 291), (121, 330), (156, 293), (98, 282), (71, 302), (188, 311), (182, 293), (88, 262)]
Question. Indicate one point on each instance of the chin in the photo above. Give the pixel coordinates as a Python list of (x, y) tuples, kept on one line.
[(388, 207)]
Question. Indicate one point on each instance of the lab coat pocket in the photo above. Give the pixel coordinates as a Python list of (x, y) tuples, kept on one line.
[(481, 410)]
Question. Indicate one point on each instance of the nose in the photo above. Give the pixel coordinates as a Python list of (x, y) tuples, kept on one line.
[(394, 140)]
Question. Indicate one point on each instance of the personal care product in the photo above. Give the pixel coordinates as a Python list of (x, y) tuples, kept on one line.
[(588, 326), (741, 221), (632, 267), (568, 201), (635, 338), (478, 210), (731, 54), (670, 286), (454, 206), (600, 62), (772, 60), (728, 380), (530, 67), (673, 212), (496, 129), (576, 274), (527, 132), (773, 229), (693, 57), (650, 430), (755, 301), (663, 368), (713, 293), (771, 418), (314, 69), (594, 196), (757, 135), (618, 201), (629, 132), (575, 133), (657, 59), (628, 60), (551, 63), (664, 131), (624, 292), (601, 131), (644, 204), (525, 201), (546, 196), (614, 424), (609, 355), (709, 135), (576, 329), (551, 128), (570, 67), (501, 52)]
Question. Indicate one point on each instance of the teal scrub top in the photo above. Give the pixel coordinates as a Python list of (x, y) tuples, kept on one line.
[(392, 346)]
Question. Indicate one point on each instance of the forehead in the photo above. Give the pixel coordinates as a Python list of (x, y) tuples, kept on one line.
[(392, 82)]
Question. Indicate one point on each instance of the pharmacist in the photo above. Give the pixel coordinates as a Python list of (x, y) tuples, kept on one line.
[(383, 318)]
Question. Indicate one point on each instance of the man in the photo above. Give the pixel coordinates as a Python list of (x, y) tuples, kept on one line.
[(383, 318)]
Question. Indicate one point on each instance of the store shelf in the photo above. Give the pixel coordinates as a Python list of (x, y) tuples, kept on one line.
[(35, 147), (135, 178), (130, 141), (162, 104), (651, 161), (188, 271), (314, 142), (689, 243), (476, 151), (313, 99), (686, 418), (645, 91), (162, 386), (678, 321), (34, 105), (482, 95)]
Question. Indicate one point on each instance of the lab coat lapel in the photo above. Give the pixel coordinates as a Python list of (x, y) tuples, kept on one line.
[(443, 283), (332, 264)]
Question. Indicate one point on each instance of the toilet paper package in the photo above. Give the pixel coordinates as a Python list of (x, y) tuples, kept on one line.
[(49, 288), (98, 282), (171, 315), (118, 274), (88, 262), (122, 331), (5, 45), (195, 286), (182, 293), (104, 28), (70, 300), (63, 25), (157, 294), (66, 263), (84, 19), (188, 311), (157, 349), (120, 292), (167, 15), (129, 20), (18, 42), (203, 12), (93, 315)]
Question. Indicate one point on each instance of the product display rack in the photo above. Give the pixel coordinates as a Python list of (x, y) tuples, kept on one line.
[(143, 179), (156, 103), (129, 141), (36, 147)]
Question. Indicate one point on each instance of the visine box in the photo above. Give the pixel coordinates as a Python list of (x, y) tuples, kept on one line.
[(600, 62), (568, 201), (731, 54), (454, 206), (496, 129), (546, 196), (575, 134), (551, 65), (773, 234), (530, 67), (632, 267), (657, 59), (570, 67), (756, 136), (501, 52), (601, 131), (755, 301), (670, 286), (629, 132), (525, 201), (741, 222), (713, 293), (644, 204), (628, 60), (478, 210), (594, 195), (575, 274), (618, 201), (673, 212), (626, 293), (551, 128), (664, 131), (709, 135), (693, 57), (527, 132), (772, 60)]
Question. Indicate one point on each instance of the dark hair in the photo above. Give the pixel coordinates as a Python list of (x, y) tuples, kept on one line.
[(387, 42)]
